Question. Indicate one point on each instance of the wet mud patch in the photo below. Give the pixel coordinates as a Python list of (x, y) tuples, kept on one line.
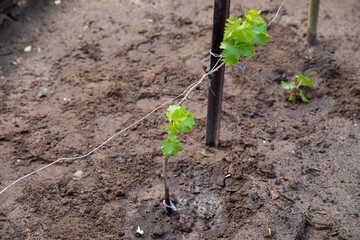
[(198, 202)]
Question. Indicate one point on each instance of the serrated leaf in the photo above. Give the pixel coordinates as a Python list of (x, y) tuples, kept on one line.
[(290, 99), (241, 35), (244, 33), (77, 175), (179, 115), (172, 108), (180, 120), (187, 124), (254, 16), (42, 92), (173, 138), (305, 80), (303, 98), (259, 34), (287, 86), (173, 128), (170, 148), (232, 26), (246, 50), (231, 52), (170, 111)]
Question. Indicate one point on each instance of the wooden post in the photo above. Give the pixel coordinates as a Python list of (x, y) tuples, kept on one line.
[(312, 21), (215, 95)]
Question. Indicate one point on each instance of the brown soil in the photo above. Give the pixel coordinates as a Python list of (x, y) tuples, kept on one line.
[(281, 171)]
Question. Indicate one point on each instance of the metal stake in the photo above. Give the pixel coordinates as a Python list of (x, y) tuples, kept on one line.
[(221, 13)]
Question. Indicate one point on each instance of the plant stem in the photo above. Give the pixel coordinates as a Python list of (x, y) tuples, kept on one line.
[(167, 196), (294, 90), (312, 21)]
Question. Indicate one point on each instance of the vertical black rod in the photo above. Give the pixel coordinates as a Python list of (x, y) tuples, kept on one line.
[(221, 13), (312, 21)]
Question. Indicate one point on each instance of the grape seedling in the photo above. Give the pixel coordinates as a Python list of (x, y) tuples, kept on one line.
[(295, 87), (180, 120)]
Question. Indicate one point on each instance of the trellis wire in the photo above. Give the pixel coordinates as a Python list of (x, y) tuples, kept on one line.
[(108, 140), (187, 90), (276, 14)]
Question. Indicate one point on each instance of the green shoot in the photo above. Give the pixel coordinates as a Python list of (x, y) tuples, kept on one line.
[(294, 87), (241, 35), (179, 120)]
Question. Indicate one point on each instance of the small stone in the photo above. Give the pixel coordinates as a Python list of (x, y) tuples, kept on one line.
[(157, 231), (185, 227), (272, 146), (268, 233), (267, 170), (196, 190), (220, 181)]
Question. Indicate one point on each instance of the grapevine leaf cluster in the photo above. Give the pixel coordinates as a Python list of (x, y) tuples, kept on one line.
[(180, 120), (240, 36), (302, 80)]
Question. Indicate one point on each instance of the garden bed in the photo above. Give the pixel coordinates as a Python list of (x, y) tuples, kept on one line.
[(282, 171)]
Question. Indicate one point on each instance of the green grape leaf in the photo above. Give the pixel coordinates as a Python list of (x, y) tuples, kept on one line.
[(231, 52), (180, 120), (254, 16), (246, 50), (179, 115), (303, 98), (287, 86), (187, 124), (241, 35), (173, 128), (232, 27), (170, 148), (290, 99), (173, 138), (305, 80), (260, 34), (171, 109)]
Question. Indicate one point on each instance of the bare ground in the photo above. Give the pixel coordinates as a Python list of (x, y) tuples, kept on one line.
[(281, 172)]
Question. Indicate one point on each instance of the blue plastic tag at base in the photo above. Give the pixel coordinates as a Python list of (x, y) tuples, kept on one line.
[(171, 205)]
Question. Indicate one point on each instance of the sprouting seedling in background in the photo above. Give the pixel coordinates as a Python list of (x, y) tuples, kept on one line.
[(295, 87), (180, 120)]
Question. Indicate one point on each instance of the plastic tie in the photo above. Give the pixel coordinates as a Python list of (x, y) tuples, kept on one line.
[(215, 54), (240, 66), (171, 205)]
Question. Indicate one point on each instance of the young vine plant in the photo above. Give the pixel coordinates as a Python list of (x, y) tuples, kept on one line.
[(241, 35), (180, 120), (295, 87)]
